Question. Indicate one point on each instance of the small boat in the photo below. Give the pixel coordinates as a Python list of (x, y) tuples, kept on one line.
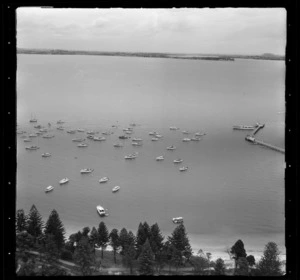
[(101, 211), (48, 136), (38, 126), (128, 132), (24, 136), (200, 134), (131, 156), (136, 143), (177, 220), (132, 124), (80, 130), (195, 139), (78, 139), (173, 128), (27, 140), (103, 179), (160, 158), (186, 139), (86, 170), (90, 137), (33, 120), (128, 129), (39, 133), (82, 145), (91, 132), (118, 145), (49, 189), (178, 160), (158, 136), (60, 128), (154, 139), (32, 135), (115, 189), (123, 137), (152, 133), (46, 155), (99, 138), (184, 168), (185, 132), (244, 127), (171, 148), (64, 181), (106, 133), (60, 122), (20, 132), (137, 139), (71, 131), (32, 148)]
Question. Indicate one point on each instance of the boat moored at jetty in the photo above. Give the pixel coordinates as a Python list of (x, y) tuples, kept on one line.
[(178, 160), (49, 189), (177, 220), (137, 143), (115, 189), (158, 136), (46, 155), (32, 148), (103, 179), (60, 128), (137, 139), (101, 211), (184, 168), (250, 138), (171, 148), (83, 145), (86, 170), (160, 158), (63, 181), (32, 135)]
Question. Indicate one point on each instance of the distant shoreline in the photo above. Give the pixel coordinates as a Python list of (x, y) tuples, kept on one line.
[(219, 57)]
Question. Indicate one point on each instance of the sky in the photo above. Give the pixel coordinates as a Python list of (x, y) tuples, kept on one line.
[(177, 30)]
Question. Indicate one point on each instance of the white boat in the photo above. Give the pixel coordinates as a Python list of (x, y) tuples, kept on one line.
[(250, 138), (154, 139), (131, 156), (184, 168), (46, 155), (48, 136), (101, 211), (186, 139), (49, 189), (136, 143), (128, 132), (115, 189), (27, 140), (177, 220), (60, 128), (200, 134), (99, 138), (152, 133), (103, 179), (86, 170), (64, 181), (80, 130), (244, 127), (38, 126), (123, 137), (160, 158), (33, 120), (82, 145), (137, 139), (173, 128), (195, 139), (78, 139), (179, 160), (32, 135), (91, 132), (71, 131), (185, 132), (39, 133), (118, 145), (171, 148), (32, 148), (43, 130), (158, 136), (106, 133)]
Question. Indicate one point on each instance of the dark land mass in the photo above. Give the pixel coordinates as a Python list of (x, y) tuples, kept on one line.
[(218, 57)]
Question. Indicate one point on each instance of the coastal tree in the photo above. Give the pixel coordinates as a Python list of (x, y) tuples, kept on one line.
[(114, 242), (142, 234), (93, 238), (84, 257), (21, 221), (49, 249), (85, 231), (242, 267), (199, 263), (238, 251), (250, 260), (270, 264), (24, 243), (123, 239), (128, 258), (102, 237), (220, 267), (130, 238), (156, 239), (34, 223), (145, 259), (55, 227)]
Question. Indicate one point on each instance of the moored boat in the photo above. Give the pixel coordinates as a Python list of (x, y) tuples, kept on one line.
[(32, 135), (60, 122), (103, 179), (200, 133), (48, 136), (185, 132), (80, 130), (49, 189), (123, 137), (195, 139), (158, 136), (131, 156), (99, 138), (186, 140), (46, 155), (27, 140), (60, 128), (171, 148), (32, 148), (177, 220), (71, 131), (137, 143), (137, 139), (173, 128), (178, 160), (101, 211), (184, 168), (91, 132), (154, 139), (63, 181), (118, 145), (86, 170), (160, 158), (115, 189), (78, 139), (244, 127), (82, 145)]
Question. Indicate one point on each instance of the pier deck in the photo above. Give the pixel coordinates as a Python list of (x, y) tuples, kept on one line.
[(257, 129), (269, 146)]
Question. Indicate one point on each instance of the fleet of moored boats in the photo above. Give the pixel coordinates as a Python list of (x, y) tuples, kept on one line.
[(91, 135)]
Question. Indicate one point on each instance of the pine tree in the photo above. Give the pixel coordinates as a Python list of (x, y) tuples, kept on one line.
[(55, 227), (93, 238), (129, 256), (242, 267), (156, 239), (85, 231), (181, 242), (123, 239), (114, 242), (270, 264), (21, 221), (147, 230), (34, 223), (251, 260), (238, 251), (141, 237), (50, 249), (102, 237), (146, 259), (84, 256), (220, 267)]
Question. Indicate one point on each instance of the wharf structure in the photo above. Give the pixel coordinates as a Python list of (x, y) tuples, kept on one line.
[(252, 139)]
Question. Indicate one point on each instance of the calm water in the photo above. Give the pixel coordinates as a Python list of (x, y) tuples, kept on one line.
[(232, 189)]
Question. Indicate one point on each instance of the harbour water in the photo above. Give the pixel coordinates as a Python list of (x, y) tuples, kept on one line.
[(232, 189)]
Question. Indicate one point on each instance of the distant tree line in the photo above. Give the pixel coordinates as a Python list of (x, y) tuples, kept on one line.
[(145, 253)]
